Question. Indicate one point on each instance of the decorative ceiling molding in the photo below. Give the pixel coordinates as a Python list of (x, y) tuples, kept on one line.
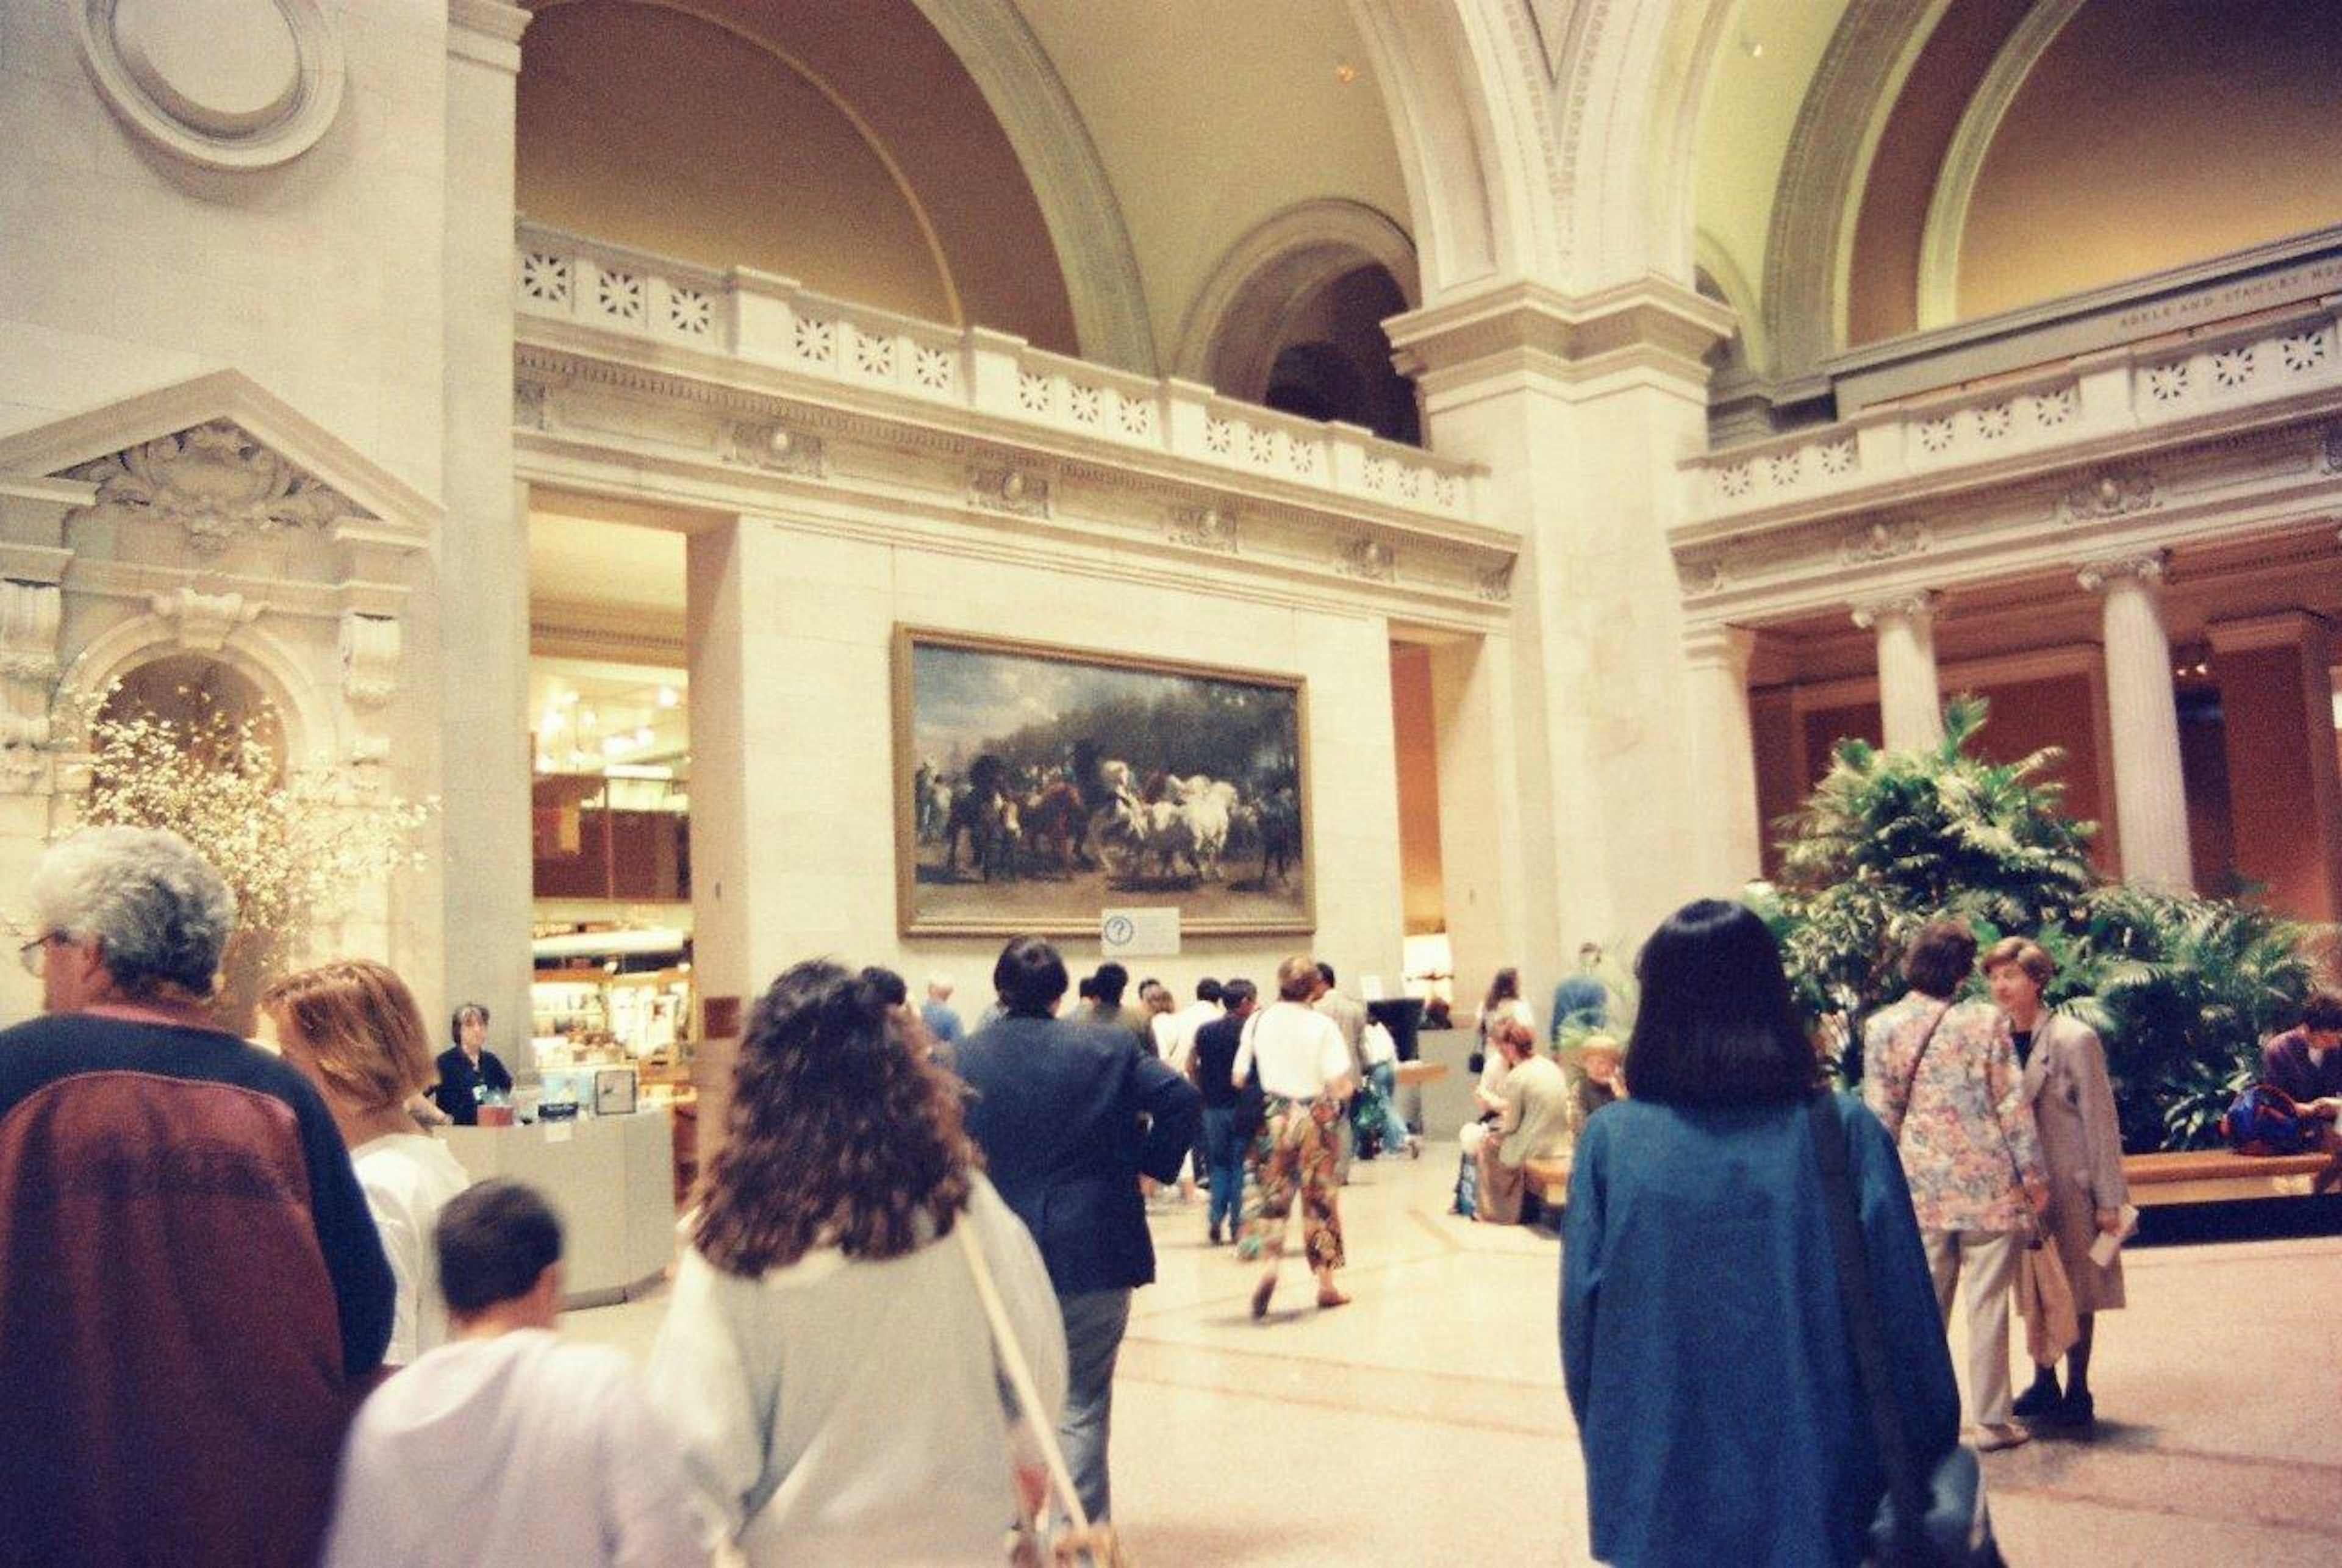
[(1068, 179), (1948, 209), (1809, 250)]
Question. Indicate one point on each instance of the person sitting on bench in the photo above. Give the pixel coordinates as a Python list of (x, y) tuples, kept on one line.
[(2306, 1062)]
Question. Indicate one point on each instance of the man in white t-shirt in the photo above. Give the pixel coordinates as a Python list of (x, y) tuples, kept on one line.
[(1306, 1076), (507, 1444)]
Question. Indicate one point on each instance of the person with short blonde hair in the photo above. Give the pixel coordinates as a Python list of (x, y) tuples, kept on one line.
[(1304, 1077), (353, 1029)]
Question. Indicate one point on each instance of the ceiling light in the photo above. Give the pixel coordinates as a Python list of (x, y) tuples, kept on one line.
[(643, 736), (1752, 47), (668, 696), (552, 720), (1345, 72)]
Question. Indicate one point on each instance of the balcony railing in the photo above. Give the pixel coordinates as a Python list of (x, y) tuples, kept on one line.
[(774, 321)]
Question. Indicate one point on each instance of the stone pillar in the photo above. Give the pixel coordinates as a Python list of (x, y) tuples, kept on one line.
[(1724, 752), (1479, 812), (2150, 791), (482, 604), (1581, 406), (1910, 703), (2276, 708)]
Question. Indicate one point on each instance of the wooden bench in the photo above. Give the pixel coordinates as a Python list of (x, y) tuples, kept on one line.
[(2218, 1176), (1548, 1179), (1414, 1073)]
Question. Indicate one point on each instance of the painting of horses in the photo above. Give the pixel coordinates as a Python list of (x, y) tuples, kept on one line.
[(1036, 787)]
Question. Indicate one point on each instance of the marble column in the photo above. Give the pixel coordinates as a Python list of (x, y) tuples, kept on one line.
[(2150, 790), (1725, 750), (481, 609), (1910, 705)]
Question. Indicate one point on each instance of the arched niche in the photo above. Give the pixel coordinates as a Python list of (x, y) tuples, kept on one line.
[(206, 700), (1291, 318)]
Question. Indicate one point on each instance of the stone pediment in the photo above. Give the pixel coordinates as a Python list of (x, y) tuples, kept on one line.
[(223, 458)]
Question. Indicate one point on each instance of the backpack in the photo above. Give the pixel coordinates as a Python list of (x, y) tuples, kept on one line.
[(2266, 1120)]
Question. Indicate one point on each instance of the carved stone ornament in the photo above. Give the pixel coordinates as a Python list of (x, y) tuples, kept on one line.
[(770, 447), (370, 649), (1369, 560), (204, 620), (216, 481), (1494, 586), (1213, 528), (1009, 490), (531, 405), (2147, 567), (2112, 492), (31, 614), (225, 84), (1700, 577), (1914, 606), (1882, 541), (2330, 450)]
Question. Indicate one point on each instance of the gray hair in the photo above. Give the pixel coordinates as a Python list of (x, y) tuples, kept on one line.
[(159, 913)]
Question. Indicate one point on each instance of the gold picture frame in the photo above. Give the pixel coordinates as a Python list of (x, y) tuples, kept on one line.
[(1038, 784)]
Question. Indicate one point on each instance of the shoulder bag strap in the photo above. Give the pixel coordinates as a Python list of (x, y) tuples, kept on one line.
[(1860, 1300), (1911, 1087), (1018, 1372)]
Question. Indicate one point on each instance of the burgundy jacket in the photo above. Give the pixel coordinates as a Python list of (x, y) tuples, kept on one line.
[(191, 1288)]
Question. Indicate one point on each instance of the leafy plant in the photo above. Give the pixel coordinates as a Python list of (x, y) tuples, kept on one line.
[(2181, 989)]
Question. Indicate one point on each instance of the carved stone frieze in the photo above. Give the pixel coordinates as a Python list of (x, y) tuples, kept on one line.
[(1700, 578), (1213, 528), (530, 404), (1882, 540), (772, 447), (1495, 585), (370, 651), (31, 614), (217, 482), (2110, 492), (1011, 490), (1369, 560), (203, 620), (2330, 450)]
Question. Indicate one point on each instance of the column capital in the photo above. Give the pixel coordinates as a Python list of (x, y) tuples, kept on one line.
[(1645, 323), (1918, 605), (2147, 566), (1723, 647)]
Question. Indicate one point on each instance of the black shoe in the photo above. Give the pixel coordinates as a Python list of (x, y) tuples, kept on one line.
[(2077, 1412), (1215, 1231), (2042, 1400)]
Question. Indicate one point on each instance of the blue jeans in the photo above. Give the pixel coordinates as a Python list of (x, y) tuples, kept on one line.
[(1093, 1323), (1223, 1149)]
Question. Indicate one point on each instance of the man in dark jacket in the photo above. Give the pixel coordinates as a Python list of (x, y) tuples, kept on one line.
[(191, 1288), (1068, 1115)]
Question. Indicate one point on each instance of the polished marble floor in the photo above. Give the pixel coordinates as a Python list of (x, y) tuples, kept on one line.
[(1425, 1422)]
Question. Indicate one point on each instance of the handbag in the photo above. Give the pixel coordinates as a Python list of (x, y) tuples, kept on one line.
[(1081, 1542), (2045, 1299), (1933, 1515)]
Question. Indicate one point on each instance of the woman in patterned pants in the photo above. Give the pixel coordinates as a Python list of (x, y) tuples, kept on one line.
[(1306, 1077)]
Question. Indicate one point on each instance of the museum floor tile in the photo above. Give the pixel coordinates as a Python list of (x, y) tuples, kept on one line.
[(1426, 1421)]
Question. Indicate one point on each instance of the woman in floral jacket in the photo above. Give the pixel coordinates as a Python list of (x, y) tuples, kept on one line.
[(1944, 1079)]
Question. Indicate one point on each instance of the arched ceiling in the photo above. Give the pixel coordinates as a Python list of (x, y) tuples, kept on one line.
[(1212, 117)]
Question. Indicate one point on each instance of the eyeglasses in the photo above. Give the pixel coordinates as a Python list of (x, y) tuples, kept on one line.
[(34, 953)]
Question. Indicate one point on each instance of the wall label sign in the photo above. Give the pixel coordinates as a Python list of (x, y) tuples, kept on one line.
[(1140, 933)]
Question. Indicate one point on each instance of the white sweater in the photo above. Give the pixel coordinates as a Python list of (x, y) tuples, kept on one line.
[(408, 1179), (846, 1412)]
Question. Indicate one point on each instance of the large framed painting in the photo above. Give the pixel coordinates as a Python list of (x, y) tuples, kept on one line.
[(1036, 785)]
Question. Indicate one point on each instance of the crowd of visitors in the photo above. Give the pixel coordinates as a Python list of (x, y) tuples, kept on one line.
[(897, 1215)]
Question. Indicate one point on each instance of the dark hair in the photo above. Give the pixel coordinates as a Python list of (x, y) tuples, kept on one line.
[(1210, 991), (455, 1023), (1236, 993), (1505, 986), (495, 1240), (1715, 1025), (1325, 973), (840, 1132), (1940, 957), (2323, 1010), (891, 985), (1108, 984), (1087, 988), (1030, 977)]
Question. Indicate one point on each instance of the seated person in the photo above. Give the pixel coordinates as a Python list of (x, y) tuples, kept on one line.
[(1532, 1122), (1601, 1076), (2306, 1062), (507, 1444)]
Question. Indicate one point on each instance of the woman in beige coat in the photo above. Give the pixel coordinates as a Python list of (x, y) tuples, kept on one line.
[(2081, 1141)]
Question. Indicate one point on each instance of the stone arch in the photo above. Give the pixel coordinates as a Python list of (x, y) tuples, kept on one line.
[(1230, 333), (312, 731)]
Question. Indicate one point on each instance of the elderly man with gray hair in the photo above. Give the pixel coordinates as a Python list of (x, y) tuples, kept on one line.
[(190, 1283)]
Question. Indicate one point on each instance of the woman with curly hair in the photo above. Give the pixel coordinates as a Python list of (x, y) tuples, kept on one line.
[(825, 1358)]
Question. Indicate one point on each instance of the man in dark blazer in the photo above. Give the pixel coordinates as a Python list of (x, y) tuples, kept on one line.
[(1068, 1115)]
